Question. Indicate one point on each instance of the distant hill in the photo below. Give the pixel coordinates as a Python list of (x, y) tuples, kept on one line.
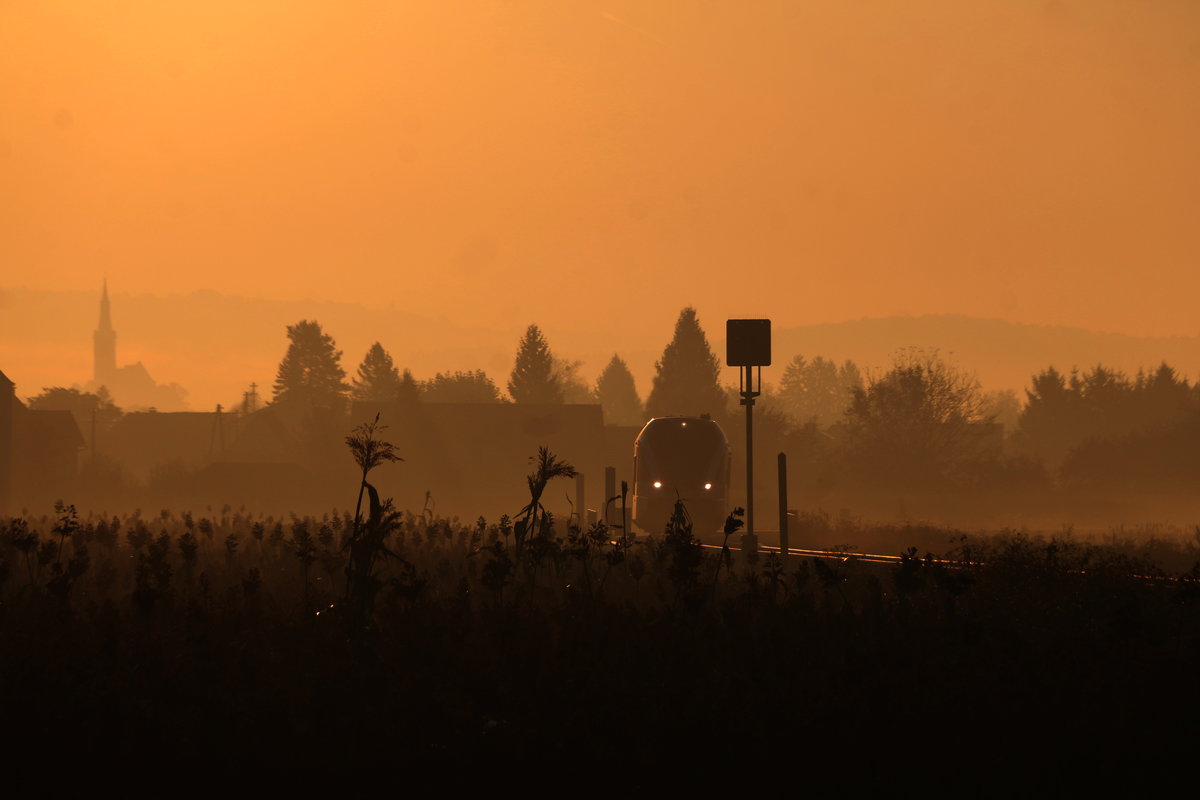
[(1003, 354), (215, 344)]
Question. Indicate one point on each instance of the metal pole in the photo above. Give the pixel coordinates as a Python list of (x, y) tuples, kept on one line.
[(580, 507), (624, 514), (748, 396), (783, 514), (610, 491)]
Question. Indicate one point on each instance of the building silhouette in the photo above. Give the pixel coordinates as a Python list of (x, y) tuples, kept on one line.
[(130, 386), (39, 452), (8, 411)]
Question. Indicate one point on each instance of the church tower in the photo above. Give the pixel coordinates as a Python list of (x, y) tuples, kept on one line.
[(104, 340)]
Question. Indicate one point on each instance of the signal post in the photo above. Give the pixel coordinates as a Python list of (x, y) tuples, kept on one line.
[(748, 346)]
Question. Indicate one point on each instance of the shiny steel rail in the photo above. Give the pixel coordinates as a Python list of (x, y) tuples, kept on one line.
[(846, 556), (841, 555)]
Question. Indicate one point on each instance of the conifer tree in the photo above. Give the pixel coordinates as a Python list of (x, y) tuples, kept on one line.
[(409, 391), (378, 379), (686, 378), (819, 390), (310, 371), (534, 377), (617, 394)]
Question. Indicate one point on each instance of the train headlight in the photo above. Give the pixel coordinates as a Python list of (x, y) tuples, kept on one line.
[(658, 484), (707, 486)]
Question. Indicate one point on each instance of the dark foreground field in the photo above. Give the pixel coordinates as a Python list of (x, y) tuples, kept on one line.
[(230, 644)]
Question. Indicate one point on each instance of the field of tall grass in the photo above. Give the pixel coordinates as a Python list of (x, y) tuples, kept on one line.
[(469, 650)]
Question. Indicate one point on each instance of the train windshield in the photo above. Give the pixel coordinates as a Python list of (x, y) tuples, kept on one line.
[(677, 448)]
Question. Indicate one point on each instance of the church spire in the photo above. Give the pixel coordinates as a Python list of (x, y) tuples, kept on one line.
[(105, 309), (104, 341)]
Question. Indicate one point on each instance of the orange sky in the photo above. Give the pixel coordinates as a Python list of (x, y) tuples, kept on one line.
[(591, 164)]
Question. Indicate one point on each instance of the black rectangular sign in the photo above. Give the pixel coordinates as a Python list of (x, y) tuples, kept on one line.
[(748, 342)]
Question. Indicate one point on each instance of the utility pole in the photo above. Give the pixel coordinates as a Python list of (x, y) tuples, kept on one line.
[(781, 460), (217, 440)]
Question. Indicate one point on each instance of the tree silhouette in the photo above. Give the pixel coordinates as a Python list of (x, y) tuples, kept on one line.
[(1063, 412), (686, 378), (82, 405), (409, 391), (1003, 406), (378, 379), (460, 387), (919, 423), (1052, 422), (534, 377), (1140, 434), (574, 389), (310, 371), (818, 391), (617, 394), (1162, 397)]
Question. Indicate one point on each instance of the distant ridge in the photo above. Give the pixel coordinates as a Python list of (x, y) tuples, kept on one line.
[(1003, 354)]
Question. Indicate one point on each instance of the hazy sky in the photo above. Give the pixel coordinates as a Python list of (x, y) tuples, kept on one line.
[(604, 163)]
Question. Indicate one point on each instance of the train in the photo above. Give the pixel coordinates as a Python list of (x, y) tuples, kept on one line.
[(681, 458)]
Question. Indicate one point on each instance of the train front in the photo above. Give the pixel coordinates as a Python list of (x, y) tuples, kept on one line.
[(685, 458)]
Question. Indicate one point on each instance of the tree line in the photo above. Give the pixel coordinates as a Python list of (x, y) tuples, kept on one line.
[(922, 421), (686, 379)]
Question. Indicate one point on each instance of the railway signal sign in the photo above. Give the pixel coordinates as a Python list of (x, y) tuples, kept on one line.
[(748, 342), (748, 346)]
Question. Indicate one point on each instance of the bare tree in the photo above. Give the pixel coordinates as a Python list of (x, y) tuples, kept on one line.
[(920, 422)]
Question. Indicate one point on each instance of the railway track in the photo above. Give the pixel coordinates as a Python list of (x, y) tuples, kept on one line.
[(879, 558), (842, 555)]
